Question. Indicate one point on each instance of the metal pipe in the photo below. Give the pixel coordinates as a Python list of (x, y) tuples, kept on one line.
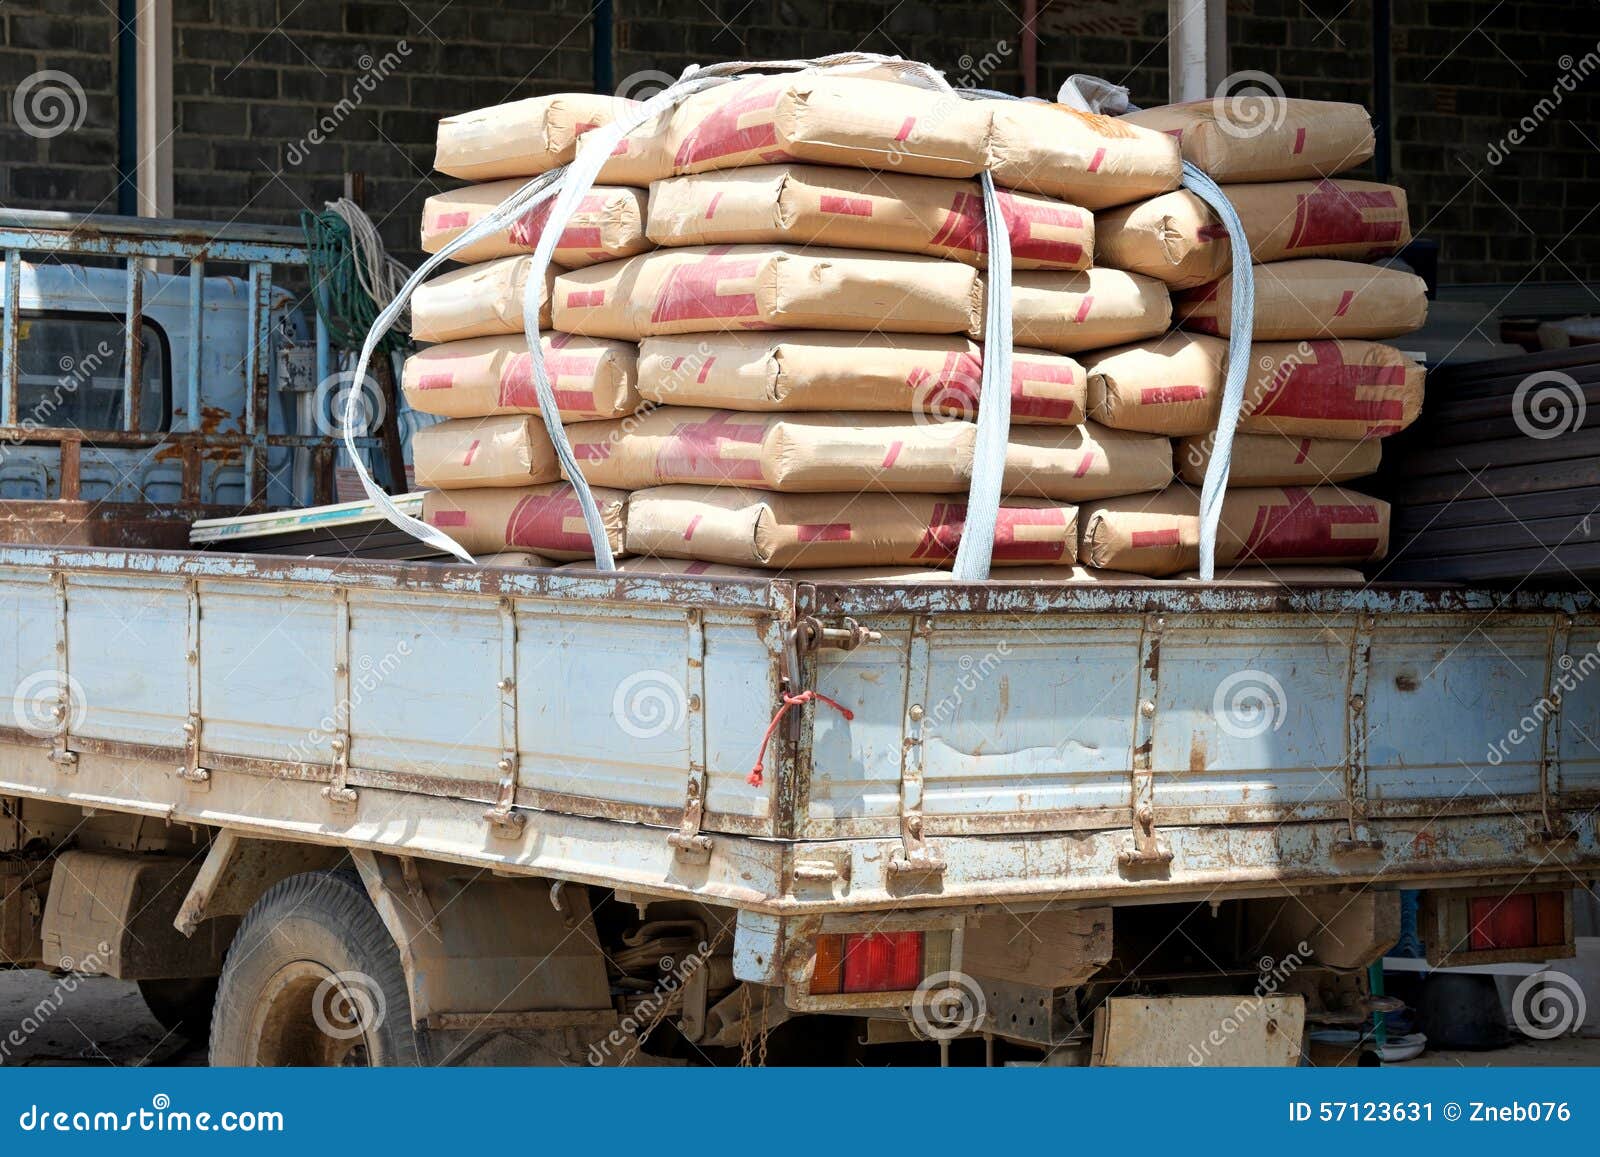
[(197, 289), (133, 349), (8, 381), (1030, 48), (1186, 54)]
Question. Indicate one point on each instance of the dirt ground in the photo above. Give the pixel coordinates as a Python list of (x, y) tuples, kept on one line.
[(104, 1022)]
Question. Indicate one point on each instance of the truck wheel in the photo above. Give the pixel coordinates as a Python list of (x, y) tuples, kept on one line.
[(181, 1006), (313, 978)]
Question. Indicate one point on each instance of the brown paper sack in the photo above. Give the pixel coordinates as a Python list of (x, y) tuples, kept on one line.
[(461, 453), (858, 209), (518, 558), (845, 574), (790, 452), (545, 519), (477, 301), (480, 376), (1178, 238), (1279, 460), (1077, 463), (704, 289), (1086, 158), (1169, 385), (608, 224), (1068, 312), (1262, 138), (863, 122), (759, 528), (1314, 297), (524, 138), (1266, 525), (1331, 389), (799, 370)]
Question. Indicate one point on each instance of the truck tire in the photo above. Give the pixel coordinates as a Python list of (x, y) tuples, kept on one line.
[(182, 1007), (313, 978)]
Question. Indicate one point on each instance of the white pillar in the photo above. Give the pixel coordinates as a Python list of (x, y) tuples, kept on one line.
[(153, 175)]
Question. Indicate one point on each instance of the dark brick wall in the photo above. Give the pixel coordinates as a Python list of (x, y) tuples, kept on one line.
[(255, 80)]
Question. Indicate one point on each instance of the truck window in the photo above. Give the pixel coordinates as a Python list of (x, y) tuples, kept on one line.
[(70, 370)]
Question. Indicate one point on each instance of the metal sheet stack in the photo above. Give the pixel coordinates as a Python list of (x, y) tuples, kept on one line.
[(764, 338), (1322, 389)]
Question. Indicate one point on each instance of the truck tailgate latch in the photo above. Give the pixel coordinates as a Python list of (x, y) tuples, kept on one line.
[(688, 845), (191, 772), (505, 821)]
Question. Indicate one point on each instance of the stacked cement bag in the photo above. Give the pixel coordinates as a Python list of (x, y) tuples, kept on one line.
[(1322, 388), (765, 330)]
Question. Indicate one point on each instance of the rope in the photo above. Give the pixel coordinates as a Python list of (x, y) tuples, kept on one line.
[(1242, 326), (345, 255), (754, 778)]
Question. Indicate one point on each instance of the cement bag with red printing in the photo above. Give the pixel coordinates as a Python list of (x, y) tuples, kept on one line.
[(477, 301), (524, 138), (1264, 138), (609, 223), (860, 209), (1330, 389), (1279, 460), (1069, 312), (1177, 238), (461, 453), (709, 289), (482, 376), (1314, 298), (1166, 385), (740, 527), (1159, 534), (545, 519), (790, 452), (830, 370)]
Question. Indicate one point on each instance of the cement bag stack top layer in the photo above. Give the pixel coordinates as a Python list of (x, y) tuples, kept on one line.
[(1270, 525), (609, 223), (1179, 239), (545, 519), (478, 377), (756, 528), (1314, 298), (858, 208), (827, 119), (524, 138), (825, 370), (1246, 138)]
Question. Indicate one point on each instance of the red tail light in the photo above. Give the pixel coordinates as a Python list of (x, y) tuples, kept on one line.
[(1525, 920), (867, 962)]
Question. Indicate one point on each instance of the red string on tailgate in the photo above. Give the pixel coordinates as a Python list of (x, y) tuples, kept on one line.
[(754, 779)]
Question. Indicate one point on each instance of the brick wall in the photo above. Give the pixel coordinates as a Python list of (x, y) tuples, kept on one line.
[(262, 133)]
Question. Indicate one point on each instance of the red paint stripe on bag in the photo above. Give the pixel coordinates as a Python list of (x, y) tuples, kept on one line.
[(1299, 141), (823, 532), (1095, 161), (847, 206), (905, 128), (456, 220), (1085, 464), (1345, 299), (1084, 307), (712, 207), (688, 531), (1165, 395), (441, 381), (586, 298), (1142, 538), (1304, 452), (449, 518), (894, 452), (472, 450)]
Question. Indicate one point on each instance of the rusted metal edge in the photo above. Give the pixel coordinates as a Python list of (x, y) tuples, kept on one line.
[(717, 594), (1140, 598)]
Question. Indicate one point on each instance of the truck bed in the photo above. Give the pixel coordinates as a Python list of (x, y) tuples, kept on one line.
[(1006, 740)]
